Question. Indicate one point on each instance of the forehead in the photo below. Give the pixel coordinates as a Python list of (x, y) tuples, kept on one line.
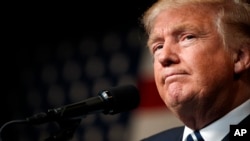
[(186, 16)]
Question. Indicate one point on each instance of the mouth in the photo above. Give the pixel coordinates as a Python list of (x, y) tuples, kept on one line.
[(174, 75)]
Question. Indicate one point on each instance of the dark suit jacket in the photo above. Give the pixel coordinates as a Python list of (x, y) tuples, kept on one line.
[(175, 134)]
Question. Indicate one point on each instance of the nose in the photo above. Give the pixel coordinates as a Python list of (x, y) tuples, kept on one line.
[(168, 56)]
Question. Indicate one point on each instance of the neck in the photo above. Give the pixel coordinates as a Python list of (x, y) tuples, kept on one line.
[(208, 110)]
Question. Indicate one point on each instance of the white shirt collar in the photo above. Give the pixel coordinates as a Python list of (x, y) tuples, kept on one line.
[(217, 130)]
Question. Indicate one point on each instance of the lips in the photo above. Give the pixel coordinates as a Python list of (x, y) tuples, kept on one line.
[(174, 74)]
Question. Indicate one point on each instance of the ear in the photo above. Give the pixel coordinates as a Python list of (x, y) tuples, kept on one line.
[(242, 59)]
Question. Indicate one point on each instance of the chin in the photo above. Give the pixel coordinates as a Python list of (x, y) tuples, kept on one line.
[(172, 101), (178, 100)]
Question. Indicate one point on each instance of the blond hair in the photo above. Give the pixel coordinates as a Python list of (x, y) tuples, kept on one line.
[(233, 17)]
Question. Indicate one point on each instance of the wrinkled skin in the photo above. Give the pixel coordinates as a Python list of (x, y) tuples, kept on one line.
[(194, 73)]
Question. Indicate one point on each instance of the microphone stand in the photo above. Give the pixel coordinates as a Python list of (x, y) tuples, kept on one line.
[(66, 131)]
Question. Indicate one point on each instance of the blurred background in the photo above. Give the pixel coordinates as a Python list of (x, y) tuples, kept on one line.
[(57, 53)]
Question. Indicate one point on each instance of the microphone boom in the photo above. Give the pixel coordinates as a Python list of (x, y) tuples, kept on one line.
[(110, 101)]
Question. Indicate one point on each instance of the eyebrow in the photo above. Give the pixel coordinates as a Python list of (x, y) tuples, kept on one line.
[(175, 30)]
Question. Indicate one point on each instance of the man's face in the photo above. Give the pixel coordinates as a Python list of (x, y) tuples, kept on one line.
[(191, 65)]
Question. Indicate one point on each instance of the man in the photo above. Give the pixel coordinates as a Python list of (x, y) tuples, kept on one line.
[(201, 59)]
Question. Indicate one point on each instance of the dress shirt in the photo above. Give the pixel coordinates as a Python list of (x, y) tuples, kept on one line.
[(217, 130)]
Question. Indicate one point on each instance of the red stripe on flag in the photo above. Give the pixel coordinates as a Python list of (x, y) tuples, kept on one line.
[(149, 95)]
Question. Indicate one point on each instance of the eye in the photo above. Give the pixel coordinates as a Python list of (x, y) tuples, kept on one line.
[(156, 48), (185, 37), (187, 40), (189, 37)]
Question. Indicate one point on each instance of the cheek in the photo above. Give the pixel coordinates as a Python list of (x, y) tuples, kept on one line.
[(211, 71), (157, 72), (158, 78)]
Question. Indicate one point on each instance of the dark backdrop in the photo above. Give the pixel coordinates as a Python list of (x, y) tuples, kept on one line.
[(26, 25)]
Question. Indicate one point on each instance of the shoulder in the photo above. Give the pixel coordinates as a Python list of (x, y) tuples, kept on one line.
[(173, 134)]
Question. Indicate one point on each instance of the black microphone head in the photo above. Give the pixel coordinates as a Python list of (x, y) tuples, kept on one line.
[(120, 99)]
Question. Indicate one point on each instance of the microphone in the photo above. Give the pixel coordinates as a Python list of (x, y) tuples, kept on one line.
[(109, 101)]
